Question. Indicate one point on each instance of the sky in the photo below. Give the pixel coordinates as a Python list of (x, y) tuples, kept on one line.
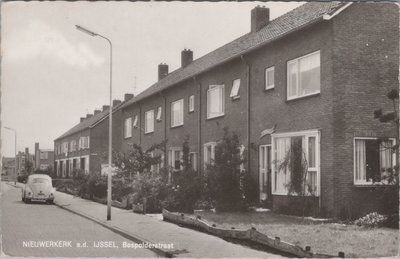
[(53, 74)]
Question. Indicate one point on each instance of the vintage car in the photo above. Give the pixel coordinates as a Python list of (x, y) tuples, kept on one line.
[(38, 187)]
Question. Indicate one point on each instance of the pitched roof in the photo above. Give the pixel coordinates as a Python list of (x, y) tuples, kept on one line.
[(89, 122), (297, 18)]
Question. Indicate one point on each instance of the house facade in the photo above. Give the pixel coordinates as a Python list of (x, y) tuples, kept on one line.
[(85, 146), (44, 158), (311, 77)]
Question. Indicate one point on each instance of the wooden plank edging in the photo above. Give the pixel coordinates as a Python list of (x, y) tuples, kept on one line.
[(241, 234)]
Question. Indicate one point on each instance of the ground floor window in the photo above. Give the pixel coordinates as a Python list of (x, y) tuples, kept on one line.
[(372, 160), (193, 160), (209, 153), (264, 171), (175, 157), (300, 146)]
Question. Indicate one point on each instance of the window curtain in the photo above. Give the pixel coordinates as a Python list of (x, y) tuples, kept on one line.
[(282, 147), (360, 160), (386, 155)]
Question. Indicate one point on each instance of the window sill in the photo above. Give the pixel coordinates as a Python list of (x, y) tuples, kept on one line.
[(192, 111), (369, 185), (160, 120), (234, 98), (269, 89), (127, 137), (216, 117), (148, 133), (176, 126), (302, 97)]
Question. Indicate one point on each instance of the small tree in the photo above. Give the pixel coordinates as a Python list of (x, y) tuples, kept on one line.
[(296, 164), (136, 160), (389, 195), (185, 189), (223, 175)]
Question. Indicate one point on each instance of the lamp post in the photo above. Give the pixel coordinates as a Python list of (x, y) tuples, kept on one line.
[(93, 34), (15, 150)]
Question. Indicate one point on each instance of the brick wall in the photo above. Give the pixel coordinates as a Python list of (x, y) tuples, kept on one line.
[(366, 55)]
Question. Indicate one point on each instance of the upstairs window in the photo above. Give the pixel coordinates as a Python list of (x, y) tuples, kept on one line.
[(135, 121), (65, 147), (372, 160), (73, 146), (177, 113), (149, 121), (128, 128), (83, 142), (159, 111), (269, 78), (303, 76), (191, 103), (215, 101), (44, 155), (235, 89)]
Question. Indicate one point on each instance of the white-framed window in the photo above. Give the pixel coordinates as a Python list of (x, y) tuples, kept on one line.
[(73, 145), (43, 155), (372, 160), (191, 103), (215, 101), (159, 113), (149, 121), (84, 142), (65, 147), (175, 158), (128, 127), (177, 113), (269, 78), (282, 144), (135, 121), (235, 89), (303, 76), (209, 153), (193, 160)]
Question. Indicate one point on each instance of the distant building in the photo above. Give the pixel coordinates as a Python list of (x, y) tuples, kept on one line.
[(44, 158), (22, 159), (85, 146)]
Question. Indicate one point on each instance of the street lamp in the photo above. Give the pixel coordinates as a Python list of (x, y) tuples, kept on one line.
[(93, 34), (15, 150)]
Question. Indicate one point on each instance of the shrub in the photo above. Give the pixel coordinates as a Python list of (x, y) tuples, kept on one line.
[(371, 220), (151, 188), (224, 181)]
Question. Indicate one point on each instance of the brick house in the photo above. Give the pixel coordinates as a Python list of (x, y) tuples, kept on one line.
[(85, 146), (312, 76), (44, 158)]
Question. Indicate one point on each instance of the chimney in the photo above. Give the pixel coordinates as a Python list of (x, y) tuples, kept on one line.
[(82, 119), (127, 97), (88, 115), (36, 146), (186, 57), (116, 102), (96, 112), (106, 107), (259, 18), (26, 151), (162, 71)]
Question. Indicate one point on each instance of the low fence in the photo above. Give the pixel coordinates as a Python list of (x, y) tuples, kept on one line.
[(250, 235)]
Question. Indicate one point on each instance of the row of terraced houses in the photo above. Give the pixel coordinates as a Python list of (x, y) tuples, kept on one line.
[(313, 76)]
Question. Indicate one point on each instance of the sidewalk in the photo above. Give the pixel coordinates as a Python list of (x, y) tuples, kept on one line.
[(143, 228)]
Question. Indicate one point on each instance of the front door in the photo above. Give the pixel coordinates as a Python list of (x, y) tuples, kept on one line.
[(265, 172)]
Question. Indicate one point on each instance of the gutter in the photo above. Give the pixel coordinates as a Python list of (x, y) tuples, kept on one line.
[(199, 157)]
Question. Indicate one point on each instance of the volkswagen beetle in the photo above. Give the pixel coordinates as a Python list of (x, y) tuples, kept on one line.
[(38, 187)]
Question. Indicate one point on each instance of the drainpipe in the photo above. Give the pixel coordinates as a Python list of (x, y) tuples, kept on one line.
[(248, 111), (165, 124), (199, 163), (140, 125)]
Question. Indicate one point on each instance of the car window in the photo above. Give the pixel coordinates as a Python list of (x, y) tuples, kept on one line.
[(40, 180)]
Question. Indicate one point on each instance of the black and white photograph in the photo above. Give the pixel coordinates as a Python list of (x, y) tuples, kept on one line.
[(222, 129)]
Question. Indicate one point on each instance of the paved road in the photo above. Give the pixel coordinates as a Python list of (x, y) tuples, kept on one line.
[(22, 223)]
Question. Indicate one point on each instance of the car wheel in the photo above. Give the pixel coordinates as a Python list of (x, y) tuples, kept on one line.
[(50, 202), (27, 200)]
